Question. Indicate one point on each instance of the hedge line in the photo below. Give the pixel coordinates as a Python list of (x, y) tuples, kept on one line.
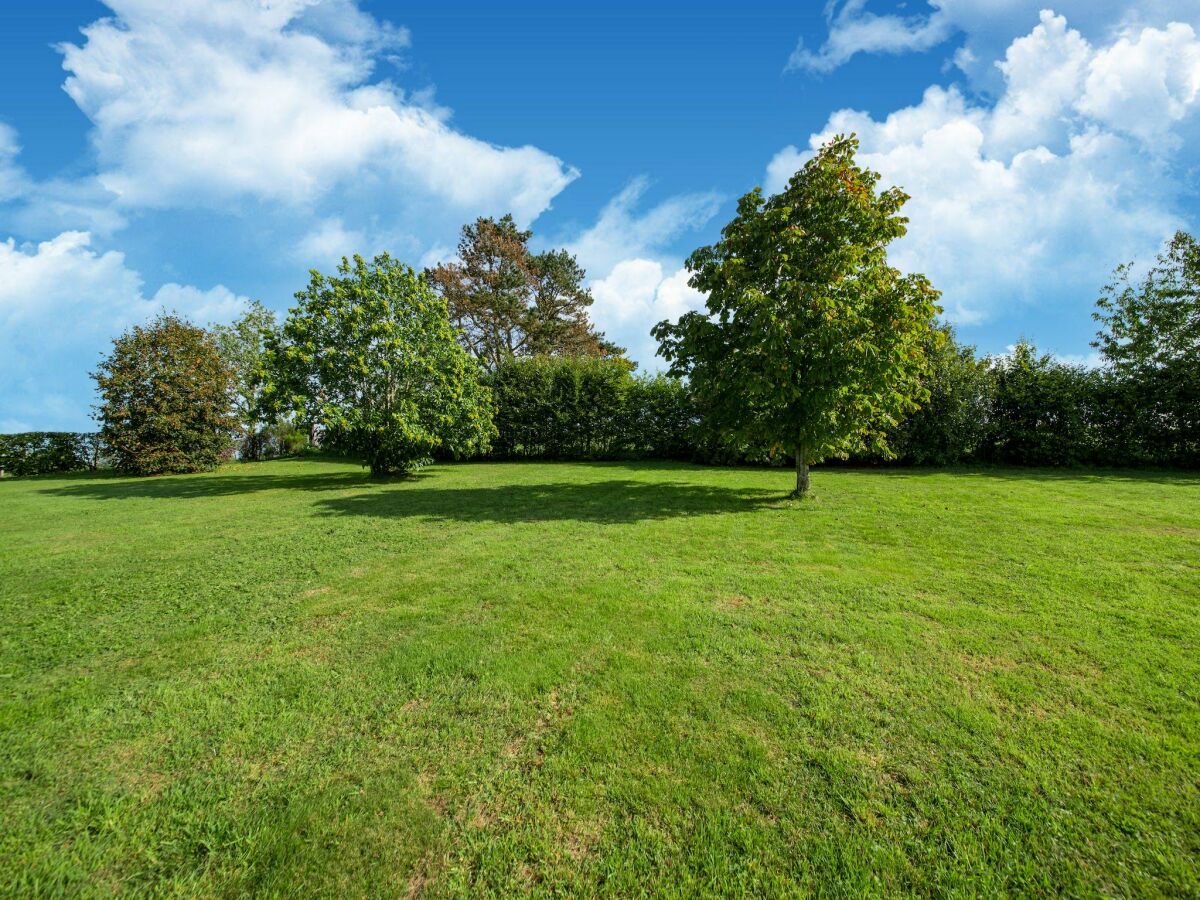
[(1024, 409), (585, 408), (43, 452)]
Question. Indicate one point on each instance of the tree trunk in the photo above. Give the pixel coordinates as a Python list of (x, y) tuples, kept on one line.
[(801, 474)]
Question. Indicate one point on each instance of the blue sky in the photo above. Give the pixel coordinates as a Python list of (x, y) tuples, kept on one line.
[(196, 154)]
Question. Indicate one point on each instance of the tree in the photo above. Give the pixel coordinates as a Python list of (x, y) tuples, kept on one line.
[(370, 355), (1150, 337), (952, 421), (164, 399), (810, 338), (241, 346), (508, 302)]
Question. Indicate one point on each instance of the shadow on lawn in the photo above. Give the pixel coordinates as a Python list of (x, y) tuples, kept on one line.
[(610, 501), (189, 487), (609, 498)]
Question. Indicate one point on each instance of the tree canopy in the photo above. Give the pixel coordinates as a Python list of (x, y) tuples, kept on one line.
[(165, 399), (241, 346), (369, 353), (1155, 324), (1150, 337), (509, 302), (811, 340)]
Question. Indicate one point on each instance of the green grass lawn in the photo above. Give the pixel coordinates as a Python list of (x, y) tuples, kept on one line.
[(282, 678)]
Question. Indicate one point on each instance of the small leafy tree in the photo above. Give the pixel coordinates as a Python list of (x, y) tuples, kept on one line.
[(810, 339), (164, 399), (1150, 337), (509, 302), (241, 346), (370, 355)]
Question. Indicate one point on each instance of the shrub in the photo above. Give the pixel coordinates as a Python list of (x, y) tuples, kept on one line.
[(951, 423), (164, 399), (660, 418), (551, 407), (1042, 413)]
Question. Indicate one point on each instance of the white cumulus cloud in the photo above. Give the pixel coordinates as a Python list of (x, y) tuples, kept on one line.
[(853, 29), (983, 28), (635, 282), (622, 231), (61, 302), (213, 101), (636, 295), (1040, 194)]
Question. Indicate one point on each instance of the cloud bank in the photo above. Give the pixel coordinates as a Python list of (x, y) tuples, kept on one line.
[(60, 303), (1071, 170)]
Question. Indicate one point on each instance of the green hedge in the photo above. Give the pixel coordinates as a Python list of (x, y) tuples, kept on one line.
[(43, 452), (570, 408), (1028, 409), (1023, 409)]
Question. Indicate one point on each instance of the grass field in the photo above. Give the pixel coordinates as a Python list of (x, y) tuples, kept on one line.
[(282, 678)]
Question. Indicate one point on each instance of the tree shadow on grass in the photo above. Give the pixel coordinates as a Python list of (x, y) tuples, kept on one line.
[(609, 499), (612, 501), (191, 487)]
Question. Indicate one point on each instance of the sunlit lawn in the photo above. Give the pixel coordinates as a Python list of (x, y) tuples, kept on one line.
[(282, 678)]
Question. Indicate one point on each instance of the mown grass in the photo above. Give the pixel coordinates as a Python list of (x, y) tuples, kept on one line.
[(283, 678)]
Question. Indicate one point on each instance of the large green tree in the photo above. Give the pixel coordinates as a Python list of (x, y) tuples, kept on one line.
[(370, 354), (509, 302), (241, 346), (1150, 337), (810, 340), (165, 399)]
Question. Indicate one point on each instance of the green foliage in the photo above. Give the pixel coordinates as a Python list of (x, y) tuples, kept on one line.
[(660, 420), (579, 407), (43, 452), (1041, 412), (164, 399), (370, 355), (241, 346), (1150, 337), (951, 424), (508, 302), (810, 338)]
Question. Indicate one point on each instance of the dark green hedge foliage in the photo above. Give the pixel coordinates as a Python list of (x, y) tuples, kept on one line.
[(43, 452), (1028, 409), (588, 408), (1023, 409)]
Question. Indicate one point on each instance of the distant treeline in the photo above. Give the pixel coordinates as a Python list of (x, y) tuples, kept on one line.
[(374, 363), (1028, 409), (43, 452), (1024, 409)]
